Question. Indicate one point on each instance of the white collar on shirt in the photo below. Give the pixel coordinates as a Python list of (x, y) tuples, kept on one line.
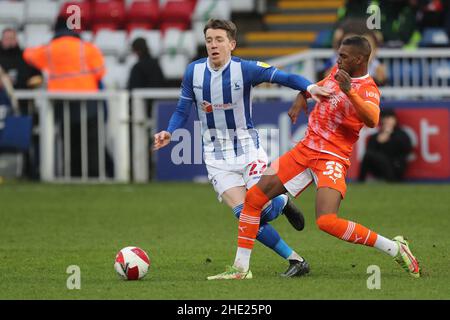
[(360, 78), (218, 70)]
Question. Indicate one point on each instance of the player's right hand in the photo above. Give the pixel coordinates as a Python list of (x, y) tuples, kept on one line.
[(299, 104), (344, 80), (162, 139)]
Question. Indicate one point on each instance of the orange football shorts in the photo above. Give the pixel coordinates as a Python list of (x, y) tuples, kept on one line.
[(300, 166)]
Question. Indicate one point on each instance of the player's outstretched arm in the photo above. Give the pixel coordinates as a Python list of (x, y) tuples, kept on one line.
[(262, 72), (162, 139), (300, 83)]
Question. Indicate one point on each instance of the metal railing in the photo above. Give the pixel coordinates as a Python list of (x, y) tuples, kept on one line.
[(55, 163)]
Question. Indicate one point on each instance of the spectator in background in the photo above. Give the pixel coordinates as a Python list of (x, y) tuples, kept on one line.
[(447, 17), (387, 151), (6, 105), (353, 9), (146, 73), (72, 64), (402, 21), (21, 74), (398, 21), (430, 14)]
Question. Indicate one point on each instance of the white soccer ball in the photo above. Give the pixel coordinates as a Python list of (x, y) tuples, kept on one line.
[(132, 263)]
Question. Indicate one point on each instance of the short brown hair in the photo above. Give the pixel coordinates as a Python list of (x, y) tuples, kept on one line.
[(226, 25)]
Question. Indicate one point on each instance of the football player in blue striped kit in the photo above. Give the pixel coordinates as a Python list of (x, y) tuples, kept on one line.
[(219, 87)]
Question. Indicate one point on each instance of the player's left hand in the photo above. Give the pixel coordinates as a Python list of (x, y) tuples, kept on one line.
[(299, 104), (318, 93), (344, 80), (162, 139)]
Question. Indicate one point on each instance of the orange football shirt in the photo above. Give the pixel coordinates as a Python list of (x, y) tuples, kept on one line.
[(333, 125)]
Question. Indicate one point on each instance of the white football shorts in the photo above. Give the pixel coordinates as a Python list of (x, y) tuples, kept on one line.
[(245, 170)]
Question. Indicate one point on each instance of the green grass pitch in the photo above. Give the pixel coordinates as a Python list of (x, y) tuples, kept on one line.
[(189, 235)]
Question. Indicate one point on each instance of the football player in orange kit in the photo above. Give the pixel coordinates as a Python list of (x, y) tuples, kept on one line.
[(323, 156)]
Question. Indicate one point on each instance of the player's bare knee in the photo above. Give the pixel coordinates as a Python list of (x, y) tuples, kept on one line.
[(327, 201), (271, 186), (269, 172)]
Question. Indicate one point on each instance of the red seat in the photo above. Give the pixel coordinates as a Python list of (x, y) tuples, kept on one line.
[(169, 24), (138, 25), (106, 25), (177, 13), (85, 11), (109, 13), (143, 11)]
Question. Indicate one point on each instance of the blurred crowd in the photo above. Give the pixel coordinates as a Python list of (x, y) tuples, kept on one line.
[(406, 24), (403, 22)]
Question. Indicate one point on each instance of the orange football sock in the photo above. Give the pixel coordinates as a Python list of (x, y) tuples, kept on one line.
[(346, 230), (250, 217)]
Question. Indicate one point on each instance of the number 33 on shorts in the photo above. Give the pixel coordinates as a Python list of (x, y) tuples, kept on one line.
[(334, 170)]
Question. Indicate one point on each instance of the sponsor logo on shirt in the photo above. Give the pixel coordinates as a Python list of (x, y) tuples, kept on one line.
[(208, 107), (334, 100), (371, 94), (263, 64)]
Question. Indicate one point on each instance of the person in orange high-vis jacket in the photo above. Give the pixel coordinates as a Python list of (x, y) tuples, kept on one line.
[(70, 63)]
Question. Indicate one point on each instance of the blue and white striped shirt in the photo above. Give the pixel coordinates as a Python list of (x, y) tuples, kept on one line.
[(223, 102)]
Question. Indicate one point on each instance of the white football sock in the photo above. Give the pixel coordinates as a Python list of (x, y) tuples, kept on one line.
[(388, 246), (242, 261), (285, 198), (295, 256)]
